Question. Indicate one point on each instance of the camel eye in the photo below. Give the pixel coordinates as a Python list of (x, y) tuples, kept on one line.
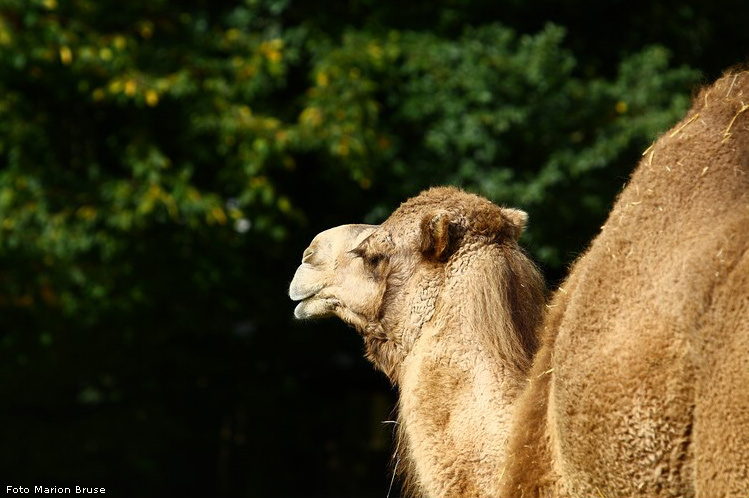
[(369, 258), (373, 259)]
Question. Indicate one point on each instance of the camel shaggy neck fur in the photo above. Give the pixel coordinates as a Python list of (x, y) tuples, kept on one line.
[(639, 375)]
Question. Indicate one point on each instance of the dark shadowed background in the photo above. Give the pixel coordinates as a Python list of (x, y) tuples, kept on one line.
[(164, 163)]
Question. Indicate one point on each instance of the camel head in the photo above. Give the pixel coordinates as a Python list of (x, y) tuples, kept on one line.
[(388, 280)]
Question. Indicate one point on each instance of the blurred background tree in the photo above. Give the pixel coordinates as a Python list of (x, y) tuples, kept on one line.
[(163, 165)]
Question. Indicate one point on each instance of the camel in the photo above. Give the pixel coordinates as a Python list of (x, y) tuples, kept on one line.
[(632, 381)]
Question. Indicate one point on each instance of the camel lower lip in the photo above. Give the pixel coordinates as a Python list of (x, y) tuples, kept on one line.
[(299, 309)]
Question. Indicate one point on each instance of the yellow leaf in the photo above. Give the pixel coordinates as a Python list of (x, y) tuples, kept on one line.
[(130, 88), (66, 56), (374, 51), (322, 79), (271, 49), (271, 123), (171, 206), (343, 147), (218, 214), (154, 192), (5, 37), (120, 42), (284, 205), (152, 98), (311, 116)]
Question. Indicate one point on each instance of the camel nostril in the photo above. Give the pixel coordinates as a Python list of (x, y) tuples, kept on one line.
[(307, 255)]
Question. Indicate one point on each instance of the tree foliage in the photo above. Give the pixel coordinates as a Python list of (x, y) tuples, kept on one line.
[(163, 164)]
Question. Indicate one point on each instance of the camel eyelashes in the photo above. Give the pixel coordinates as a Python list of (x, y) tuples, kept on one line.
[(374, 259), (371, 259)]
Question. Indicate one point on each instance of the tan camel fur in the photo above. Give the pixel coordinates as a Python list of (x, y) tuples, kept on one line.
[(641, 383)]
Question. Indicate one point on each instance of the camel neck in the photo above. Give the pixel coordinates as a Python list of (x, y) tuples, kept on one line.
[(455, 412)]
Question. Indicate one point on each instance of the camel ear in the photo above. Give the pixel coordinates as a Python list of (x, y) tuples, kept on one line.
[(517, 220), (435, 235)]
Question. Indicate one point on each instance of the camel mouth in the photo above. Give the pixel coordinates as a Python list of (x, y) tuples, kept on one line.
[(307, 293)]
